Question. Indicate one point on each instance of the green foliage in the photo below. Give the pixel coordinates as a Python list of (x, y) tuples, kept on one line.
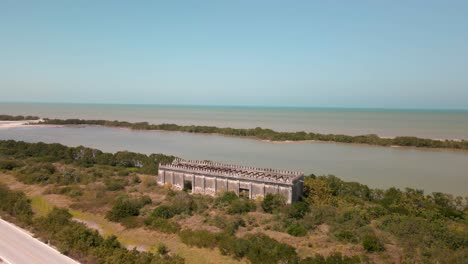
[(263, 249), (125, 207), (240, 206), (72, 191), (257, 248), (371, 243), (162, 249), (17, 118), (163, 211), (336, 258), (273, 202), (83, 156), (233, 203), (297, 230), (346, 236), (15, 204), (9, 164), (297, 210), (75, 239), (225, 198), (115, 184)]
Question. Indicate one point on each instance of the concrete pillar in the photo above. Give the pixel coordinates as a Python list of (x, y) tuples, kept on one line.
[(193, 183), (250, 190), (215, 185), (203, 181)]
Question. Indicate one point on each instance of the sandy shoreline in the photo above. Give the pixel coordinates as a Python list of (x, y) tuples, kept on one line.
[(13, 124)]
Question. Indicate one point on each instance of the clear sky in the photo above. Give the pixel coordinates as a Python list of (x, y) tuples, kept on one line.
[(395, 54)]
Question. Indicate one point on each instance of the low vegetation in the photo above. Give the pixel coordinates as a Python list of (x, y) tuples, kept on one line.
[(335, 221), (17, 118)]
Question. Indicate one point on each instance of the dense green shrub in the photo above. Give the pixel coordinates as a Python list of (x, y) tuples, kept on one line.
[(225, 198), (263, 249), (273, 202), (240, 206), (15, 204), (296, 230), (346, 236), (163, 211), (257, 248), (296, 210), (9, 164), (371, 243), (230, 245), (125, 207)]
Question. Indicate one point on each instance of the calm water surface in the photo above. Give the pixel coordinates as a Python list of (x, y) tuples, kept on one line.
[(386, 123), (445, 171)]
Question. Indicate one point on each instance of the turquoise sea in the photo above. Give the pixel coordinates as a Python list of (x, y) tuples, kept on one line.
[(437, 124)]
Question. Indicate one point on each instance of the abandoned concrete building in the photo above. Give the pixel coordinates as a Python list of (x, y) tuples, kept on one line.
[(207, 177)]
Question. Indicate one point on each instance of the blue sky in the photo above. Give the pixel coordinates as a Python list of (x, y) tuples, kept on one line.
[(391, 54)]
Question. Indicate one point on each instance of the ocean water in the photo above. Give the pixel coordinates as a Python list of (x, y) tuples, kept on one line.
[(434, 124), (380, 167)]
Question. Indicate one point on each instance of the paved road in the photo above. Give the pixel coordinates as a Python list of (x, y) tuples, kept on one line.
[(18, 247)]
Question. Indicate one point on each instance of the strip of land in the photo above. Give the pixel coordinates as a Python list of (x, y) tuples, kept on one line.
[(271, 135), (255, 133)]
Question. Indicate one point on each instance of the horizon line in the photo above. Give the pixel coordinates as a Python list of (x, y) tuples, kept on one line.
[(241, 106)]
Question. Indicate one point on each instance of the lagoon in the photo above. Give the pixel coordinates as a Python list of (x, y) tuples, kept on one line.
[(379, 167)]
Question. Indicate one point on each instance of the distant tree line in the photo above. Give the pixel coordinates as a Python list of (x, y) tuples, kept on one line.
[(82, 156), (269, 134), (17, 118)]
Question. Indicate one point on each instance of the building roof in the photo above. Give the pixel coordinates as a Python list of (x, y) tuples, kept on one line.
[(233, 171)]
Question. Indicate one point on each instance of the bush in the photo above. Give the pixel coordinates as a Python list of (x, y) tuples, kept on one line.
[(371, 243), (125, 207), (298, 210), (8, 164), (226, 198), (240, 206), (114, 184), (163, 211), (346, 236), (272, 202), (263, 249), (16, 204), (297, 230), (230, 245), (162, 249)]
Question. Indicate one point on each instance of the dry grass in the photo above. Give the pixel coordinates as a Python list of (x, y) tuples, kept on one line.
[(144, 239)]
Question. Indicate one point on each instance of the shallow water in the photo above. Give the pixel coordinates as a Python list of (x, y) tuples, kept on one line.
[(387, 123), (431, 170)]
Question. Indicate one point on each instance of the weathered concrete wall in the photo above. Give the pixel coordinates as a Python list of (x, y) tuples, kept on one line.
[(209, 184)]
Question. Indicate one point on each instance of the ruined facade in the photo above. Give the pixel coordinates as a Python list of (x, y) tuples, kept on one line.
[(210, 178)]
